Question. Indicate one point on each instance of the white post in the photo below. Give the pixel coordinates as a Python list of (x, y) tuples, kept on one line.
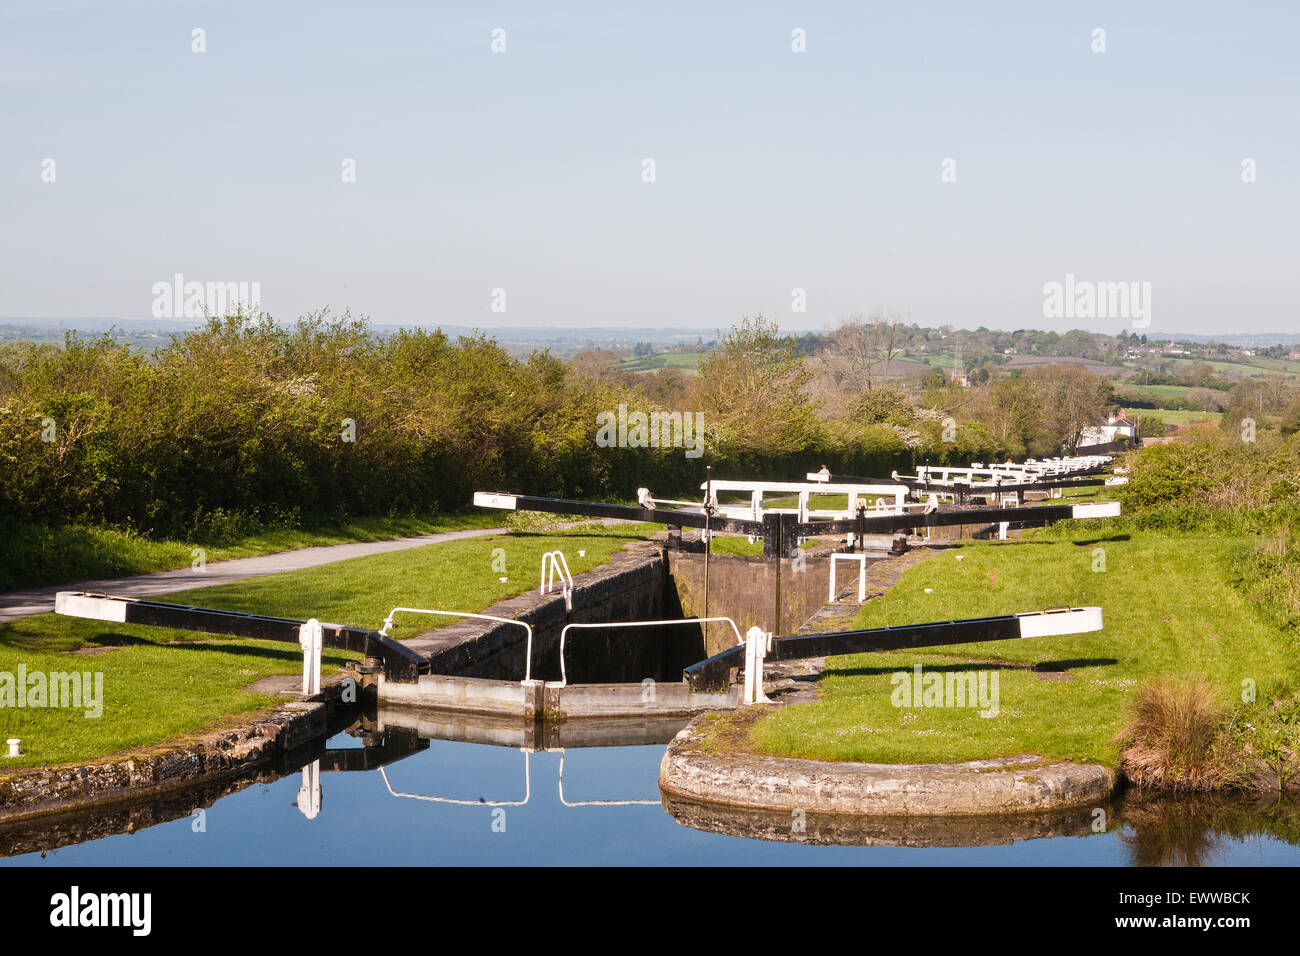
[(311, 637), (309, 794), (755, 651), (861, 558)]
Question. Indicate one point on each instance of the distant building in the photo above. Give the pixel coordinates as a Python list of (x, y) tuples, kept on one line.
[(1116, 428)]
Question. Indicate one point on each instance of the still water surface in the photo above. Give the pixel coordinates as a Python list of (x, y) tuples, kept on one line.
[(363, 820)]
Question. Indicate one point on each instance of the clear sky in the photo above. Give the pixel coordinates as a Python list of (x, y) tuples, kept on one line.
[(774, 170)]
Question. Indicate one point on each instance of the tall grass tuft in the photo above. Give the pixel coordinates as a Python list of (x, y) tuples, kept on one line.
[(1171, 741)]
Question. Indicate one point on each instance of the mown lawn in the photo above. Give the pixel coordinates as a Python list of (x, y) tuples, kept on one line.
[(36, 555), (155, 689), (1170, 609)]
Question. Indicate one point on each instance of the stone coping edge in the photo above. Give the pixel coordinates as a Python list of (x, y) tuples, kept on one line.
[(998, 785), (31, 792)]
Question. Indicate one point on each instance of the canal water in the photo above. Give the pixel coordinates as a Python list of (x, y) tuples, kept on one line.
[(459, 803)]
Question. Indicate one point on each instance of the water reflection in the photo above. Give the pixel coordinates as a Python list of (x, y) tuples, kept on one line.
[(1198, 830), (451, 763), (834, 829)]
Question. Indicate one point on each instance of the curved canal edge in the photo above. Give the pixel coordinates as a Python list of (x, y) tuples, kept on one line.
[(1000, 785)]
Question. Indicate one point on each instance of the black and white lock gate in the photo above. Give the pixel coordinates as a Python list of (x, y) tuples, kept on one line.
[(401, 664), (717, 672), (962, 488), (781, 533)]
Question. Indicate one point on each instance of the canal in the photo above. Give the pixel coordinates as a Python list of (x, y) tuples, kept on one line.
[(452, 802)]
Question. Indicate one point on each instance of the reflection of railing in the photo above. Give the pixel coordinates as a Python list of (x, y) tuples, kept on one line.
[(528, 661), (554, 563), (564, 677), (528, 791), (599, 803)]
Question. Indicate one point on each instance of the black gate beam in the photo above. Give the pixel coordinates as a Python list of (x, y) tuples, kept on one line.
[(714, 673), (886, 524), (401, 664)]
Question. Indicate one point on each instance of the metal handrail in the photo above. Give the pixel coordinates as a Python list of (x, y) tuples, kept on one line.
[(554, 561), (564, 677), (528, 663)]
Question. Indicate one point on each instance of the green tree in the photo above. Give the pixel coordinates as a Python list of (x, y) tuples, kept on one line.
[(751, 387)]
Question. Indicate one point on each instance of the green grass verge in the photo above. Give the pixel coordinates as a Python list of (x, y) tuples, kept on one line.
[(36, 555), (1170, 610), (156, 690)]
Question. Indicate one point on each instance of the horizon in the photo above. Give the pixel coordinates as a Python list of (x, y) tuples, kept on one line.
[(557, 332)]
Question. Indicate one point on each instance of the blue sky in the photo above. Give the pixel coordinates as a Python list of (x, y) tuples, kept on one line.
[(774, 170)]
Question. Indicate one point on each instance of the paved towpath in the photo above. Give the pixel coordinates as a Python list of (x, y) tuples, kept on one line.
[(18, 604)]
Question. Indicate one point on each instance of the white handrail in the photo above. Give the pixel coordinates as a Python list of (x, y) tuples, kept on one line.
[(553, 562), (528, 664), (861, 558), (564, 677), (528, 791)]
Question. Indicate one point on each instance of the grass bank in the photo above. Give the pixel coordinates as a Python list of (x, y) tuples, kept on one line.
[(1171, 609), (160, 684), (33, 555)]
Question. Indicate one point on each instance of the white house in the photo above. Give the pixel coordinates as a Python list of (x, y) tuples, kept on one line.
[(1117, 428)]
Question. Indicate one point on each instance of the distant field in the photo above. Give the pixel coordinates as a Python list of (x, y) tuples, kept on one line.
[(1158, 391), (1292, 368), (1091, 364), (1257, 367), (1178, 417), (942, 360), (900, 368), (686, 361)]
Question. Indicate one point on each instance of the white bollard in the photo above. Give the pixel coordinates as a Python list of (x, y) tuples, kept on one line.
[(311, 637), (755, 650), (13, 743)]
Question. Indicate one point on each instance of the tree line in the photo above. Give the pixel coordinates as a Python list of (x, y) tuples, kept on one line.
[(247, 424)]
